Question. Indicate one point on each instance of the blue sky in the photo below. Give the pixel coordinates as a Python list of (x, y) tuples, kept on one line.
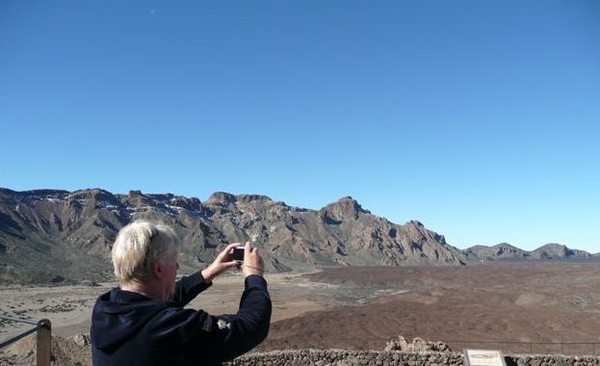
[(479, 118)]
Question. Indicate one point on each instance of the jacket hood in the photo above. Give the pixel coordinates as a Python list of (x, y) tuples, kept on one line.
[(119, 315)]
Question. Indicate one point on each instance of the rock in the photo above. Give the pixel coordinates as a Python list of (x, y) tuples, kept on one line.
[(81, 339), (417, 345)]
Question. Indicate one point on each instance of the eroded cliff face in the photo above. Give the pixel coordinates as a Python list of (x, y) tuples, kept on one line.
[(55, 235)]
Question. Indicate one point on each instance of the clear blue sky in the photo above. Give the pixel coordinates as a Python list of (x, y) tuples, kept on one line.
[(479, 118)]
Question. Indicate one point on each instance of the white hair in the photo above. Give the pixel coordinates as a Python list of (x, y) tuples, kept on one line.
[(137, 246)]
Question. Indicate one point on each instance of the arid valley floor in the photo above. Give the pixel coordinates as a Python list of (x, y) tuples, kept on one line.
[(517, 307)]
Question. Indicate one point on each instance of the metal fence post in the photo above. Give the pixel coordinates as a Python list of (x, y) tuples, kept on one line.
[(44, 343)]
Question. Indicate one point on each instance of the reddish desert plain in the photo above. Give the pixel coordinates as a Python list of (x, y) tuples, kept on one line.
[(524, 307)]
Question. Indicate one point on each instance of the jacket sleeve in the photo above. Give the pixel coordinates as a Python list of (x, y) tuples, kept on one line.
[(250, 325), (215, 339), (188, 287)]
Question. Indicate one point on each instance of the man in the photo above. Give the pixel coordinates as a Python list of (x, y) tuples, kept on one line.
[(144, 322)]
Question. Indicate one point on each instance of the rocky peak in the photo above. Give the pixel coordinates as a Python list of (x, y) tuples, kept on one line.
[(221, 199), (418, 233), (192, 204), (506, 249), (345, 208), (137, 199), (97, 195), (253, 198)]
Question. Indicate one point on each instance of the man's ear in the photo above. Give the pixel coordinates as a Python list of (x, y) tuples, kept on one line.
[(157, 269)]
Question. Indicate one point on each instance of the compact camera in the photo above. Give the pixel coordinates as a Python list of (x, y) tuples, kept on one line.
[(238, 253)]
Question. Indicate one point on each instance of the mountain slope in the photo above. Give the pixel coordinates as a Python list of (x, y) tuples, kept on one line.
[(55, 236)]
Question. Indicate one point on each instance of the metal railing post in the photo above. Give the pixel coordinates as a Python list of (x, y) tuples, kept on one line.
[(44, 343)]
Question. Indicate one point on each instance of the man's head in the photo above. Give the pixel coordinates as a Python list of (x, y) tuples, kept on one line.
[(143, 248)]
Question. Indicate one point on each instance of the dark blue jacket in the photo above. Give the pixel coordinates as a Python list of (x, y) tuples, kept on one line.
[(132, 329)]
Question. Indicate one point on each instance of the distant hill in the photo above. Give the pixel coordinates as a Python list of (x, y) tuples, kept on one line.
[(57, 236), (558, 251), (504, 252)]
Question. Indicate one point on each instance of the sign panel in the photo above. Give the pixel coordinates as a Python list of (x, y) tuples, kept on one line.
[(482, 357)]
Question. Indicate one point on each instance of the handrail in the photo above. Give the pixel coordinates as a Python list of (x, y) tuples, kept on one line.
[(43, 328), (18, 320)]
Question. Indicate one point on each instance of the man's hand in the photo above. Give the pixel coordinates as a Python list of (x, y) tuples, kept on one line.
[(253, 262), (223, 262)]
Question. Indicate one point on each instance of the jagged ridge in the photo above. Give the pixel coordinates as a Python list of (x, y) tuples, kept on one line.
[(57, 236)]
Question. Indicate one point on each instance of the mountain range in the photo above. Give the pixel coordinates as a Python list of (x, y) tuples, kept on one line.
[(60, 237)]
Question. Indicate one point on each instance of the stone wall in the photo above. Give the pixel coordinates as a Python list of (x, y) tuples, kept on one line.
[(312, 357)]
